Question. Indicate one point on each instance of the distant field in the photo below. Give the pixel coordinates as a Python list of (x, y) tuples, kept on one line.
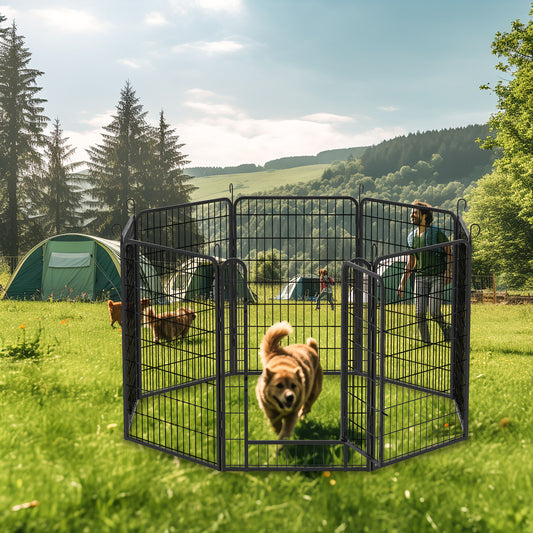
[(210, 187)]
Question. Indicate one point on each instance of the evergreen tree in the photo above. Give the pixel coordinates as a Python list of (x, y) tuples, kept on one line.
[(168, 183), (119, 167), (56, 198), (21, 132)]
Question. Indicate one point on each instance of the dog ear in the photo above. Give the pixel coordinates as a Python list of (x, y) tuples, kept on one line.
[(268, 374)]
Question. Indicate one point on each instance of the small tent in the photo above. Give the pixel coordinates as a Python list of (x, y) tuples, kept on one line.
[(391, 270), (195, 279), (75, 266), (300, 288)]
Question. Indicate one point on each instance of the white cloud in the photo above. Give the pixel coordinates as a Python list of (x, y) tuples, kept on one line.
[(212, 109), (9, 12), (388, 109), (201, 93), (227, 141), (72, 20), (220, 134), (230, 7), (155, 18), (327, 118), (130, 63), (99, 121), (210, 47)]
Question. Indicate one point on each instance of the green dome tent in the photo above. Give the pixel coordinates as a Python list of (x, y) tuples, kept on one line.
[(75, 266), (194, 280), (300, 288)]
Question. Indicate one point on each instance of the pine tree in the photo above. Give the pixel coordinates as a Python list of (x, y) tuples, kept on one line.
[(56, 197), (21, 131), (168, 184), (119, 167)]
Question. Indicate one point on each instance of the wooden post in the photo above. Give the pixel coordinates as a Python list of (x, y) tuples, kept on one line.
[(494, 288)]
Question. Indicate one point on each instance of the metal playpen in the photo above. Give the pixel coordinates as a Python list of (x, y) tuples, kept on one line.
[(243, 265)]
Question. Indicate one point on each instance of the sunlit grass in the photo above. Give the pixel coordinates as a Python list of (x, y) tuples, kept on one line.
[(63, 452)]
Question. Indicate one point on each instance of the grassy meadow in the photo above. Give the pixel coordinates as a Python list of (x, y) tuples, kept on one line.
[(210, 187), (66, 466)]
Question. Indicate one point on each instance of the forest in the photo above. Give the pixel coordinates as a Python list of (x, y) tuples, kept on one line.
[(408, 168)]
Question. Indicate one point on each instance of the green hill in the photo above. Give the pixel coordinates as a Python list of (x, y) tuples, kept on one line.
[(210, 187)]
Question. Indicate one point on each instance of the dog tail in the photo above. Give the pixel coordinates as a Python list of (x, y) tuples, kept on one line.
[(270, 342)]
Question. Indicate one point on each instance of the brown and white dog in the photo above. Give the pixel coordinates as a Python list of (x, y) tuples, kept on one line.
[(169, 325), (291, 380), (115, 310)]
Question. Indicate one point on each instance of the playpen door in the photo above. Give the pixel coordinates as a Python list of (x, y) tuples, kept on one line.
[(363, 338)]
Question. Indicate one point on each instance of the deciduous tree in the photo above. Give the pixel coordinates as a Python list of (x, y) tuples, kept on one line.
[(509, 232)]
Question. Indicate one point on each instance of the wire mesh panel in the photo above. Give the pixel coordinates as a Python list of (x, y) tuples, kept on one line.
[(173, 376), (418, 400), (202, 227), (284, 242), (385, 227), (236, 298), (359, 385)]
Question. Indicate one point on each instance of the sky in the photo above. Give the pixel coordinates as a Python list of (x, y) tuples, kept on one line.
[(248, 81)]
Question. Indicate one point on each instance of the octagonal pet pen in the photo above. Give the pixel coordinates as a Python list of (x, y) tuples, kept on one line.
[(387, 395)]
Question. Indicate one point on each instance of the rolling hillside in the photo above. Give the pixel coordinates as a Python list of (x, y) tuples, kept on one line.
[(251, 183)]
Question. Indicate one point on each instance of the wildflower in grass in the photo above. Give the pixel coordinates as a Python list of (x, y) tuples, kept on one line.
[(26, 505), (332, 482), (64, 322), (26, 348), (504, 422), (326, 474)]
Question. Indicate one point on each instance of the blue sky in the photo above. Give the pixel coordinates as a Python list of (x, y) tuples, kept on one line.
[(246, 81)]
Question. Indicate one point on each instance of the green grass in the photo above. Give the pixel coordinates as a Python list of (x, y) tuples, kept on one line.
[(62, 446), (211, 187)]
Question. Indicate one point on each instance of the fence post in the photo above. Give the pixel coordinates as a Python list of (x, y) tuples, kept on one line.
[(494, 298)]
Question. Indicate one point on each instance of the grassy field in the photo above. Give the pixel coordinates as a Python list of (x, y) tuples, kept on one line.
[(66, 467), (252, 183)]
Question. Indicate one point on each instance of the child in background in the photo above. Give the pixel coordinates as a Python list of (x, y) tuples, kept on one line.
[(326, 288)]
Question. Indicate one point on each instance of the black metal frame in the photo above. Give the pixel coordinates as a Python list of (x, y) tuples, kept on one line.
[(234, 262)]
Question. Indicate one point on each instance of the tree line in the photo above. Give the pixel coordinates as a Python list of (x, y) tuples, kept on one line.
[(41, 193), (422, 180), (462, 158), (326, 157)]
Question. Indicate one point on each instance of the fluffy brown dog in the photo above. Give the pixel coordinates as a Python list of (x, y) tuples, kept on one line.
[(291, 380), (169, 325), (115, 310)]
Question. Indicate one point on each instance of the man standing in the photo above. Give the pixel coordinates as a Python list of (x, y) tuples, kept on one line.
[(433, 271)]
